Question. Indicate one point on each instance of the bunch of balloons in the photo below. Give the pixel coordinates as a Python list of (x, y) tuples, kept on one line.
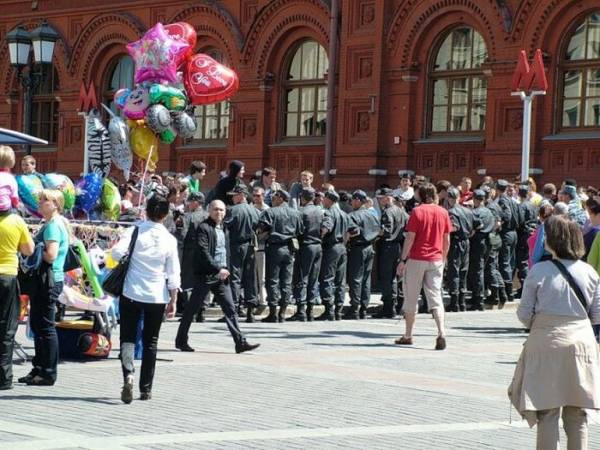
[(169, 82)]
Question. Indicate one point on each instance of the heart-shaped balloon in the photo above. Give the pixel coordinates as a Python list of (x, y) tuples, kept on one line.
[(183, 32), (207, 81)]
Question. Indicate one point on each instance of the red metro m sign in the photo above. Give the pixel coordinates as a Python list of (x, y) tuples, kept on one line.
[(529, 78)]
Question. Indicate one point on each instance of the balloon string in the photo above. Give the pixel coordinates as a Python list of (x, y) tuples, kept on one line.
[(144, 177)]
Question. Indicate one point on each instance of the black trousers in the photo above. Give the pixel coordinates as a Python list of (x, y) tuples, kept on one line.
[(522, 257), (506, 256), (306, 273), (458, 266), (388, 257), (9, 316), (130, 312), (222, 294), (243, 274), (333, 274), (479, 253), (360, 266), (42, 314), (279, 263)]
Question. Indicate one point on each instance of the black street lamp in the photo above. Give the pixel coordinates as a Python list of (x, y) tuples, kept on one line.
[(20, 42)]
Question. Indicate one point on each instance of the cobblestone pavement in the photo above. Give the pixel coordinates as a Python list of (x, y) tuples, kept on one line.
[(320, 385)]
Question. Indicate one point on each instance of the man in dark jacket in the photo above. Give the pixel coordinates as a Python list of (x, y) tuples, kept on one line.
[(211, 268), (241, 221), (508, 232), (225, 185)]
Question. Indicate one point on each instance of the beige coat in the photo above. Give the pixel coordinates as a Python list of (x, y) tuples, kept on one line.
[(559, 366)]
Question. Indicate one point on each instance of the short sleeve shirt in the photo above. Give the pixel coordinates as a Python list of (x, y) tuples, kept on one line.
[(55, 231), (13, 232), (429, 223)]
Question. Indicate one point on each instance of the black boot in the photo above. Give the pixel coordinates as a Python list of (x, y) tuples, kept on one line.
[(352, 313), (462, 305), (299, 316), (327, 314), (272, 317), (508, 288), (362, 314), (200, 316), (250, 314), (282, 311), (502, 297), (338, 312), (453, 306), (387, 311), (309, 312), (476, 303)]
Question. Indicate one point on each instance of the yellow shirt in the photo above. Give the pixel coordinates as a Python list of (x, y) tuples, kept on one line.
[(13, 233)]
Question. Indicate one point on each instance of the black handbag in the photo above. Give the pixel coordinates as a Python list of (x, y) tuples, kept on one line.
[(114, 282), (72, 260)]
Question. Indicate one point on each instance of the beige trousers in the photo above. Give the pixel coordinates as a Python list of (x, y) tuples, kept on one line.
[(574, 423), (427, 275)]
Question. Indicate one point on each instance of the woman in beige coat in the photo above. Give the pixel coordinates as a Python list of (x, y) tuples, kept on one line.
[(560, 363)]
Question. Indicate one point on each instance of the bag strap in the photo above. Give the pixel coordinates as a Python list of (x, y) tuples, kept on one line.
[(133, 240), (571, 281)]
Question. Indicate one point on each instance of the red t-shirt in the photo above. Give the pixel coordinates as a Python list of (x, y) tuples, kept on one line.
[(429, 223)]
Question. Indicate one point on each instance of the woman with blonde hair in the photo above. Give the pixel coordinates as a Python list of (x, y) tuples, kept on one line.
[(54, 238), (559, 367)]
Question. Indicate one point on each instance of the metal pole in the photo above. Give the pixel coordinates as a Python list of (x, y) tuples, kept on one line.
[(27, 83), (527, 100), (333, 57)]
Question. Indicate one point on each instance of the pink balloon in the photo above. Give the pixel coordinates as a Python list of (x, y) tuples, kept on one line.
[(156, 55)]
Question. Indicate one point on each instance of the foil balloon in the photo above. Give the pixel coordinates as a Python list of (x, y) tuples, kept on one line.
[(134, 103), (144, 144), (174, 99), (207, 81), (184, 124), (119, 138), (94, 345), (156, 55), (168, 136), (30, 187), (88, 190), (98, 145), (183, 32), (62, 183), (158, 118), (111, 200)]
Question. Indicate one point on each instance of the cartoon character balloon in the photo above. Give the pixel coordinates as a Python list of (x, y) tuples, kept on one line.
[(134, 103), (207, 81), (98, 145), (88, 190), (30, 187), (156, 55), (119, 138), (64, 184), (184, 32)]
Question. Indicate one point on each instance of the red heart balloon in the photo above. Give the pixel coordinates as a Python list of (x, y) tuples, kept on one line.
[(207, 81), (182, 31)]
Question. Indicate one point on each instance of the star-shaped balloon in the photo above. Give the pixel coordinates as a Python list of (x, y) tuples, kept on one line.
[(156, 55)]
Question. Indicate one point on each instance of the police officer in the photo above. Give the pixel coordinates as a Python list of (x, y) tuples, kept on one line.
[(308, 259), (484, 223), (242, 220), (508, 234), (528, 222), (362, 232), (458, 253), (388, 248), (493, 277), (282, 224), (333, 265)]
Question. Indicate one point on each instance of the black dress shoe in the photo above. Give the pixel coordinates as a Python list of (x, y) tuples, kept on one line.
[(30, 376), (184, 347), (40, 381), (146, 395), (297, 318), (245, 347), (6, 388)]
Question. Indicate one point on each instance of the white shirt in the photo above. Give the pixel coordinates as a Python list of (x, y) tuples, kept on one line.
[(154, 266)]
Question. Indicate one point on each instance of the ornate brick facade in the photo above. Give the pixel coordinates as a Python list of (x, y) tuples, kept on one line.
[(382, 97)]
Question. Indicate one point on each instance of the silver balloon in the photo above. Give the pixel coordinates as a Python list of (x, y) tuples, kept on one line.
[(184, 124), (158, 118), (99, 145), (119, 138)]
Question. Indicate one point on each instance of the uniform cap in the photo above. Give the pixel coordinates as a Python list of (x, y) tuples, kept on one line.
[(283, 195), (359, 195), (239, 189), (479, 194), (453, 192), (333, 196), (569, 190), (501, 184), (383, 192), (196, 197), (308, 193)]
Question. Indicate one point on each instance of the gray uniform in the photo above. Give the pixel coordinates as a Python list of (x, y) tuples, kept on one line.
[(458, 253), (333, 266), (283, 224), (360, 257), (389, 246), (508, 234), (528, 222), (484, 223), (241, 221), (493, 278)]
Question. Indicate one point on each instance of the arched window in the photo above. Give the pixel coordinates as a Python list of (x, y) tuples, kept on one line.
[(212, 120), (120, 76), (44, 106), (305, 92), (581, 76), (458, 86)]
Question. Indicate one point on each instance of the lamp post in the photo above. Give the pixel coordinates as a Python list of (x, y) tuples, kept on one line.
[(31, 71)]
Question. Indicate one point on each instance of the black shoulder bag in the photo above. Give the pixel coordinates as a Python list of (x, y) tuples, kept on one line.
[(114, 282), (572, 283)]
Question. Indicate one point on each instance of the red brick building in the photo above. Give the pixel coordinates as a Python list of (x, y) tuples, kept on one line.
[(422, 85)]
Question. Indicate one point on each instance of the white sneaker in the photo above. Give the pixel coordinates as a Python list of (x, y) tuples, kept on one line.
[(127, 391)]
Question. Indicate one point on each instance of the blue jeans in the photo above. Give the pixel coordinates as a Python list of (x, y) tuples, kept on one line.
[(42, 314)]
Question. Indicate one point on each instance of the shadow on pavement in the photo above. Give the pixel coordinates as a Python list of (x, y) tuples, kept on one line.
[(101, 400)]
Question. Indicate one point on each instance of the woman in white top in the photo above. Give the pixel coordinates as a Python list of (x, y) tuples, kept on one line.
[(151, 284), (560, 363)]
